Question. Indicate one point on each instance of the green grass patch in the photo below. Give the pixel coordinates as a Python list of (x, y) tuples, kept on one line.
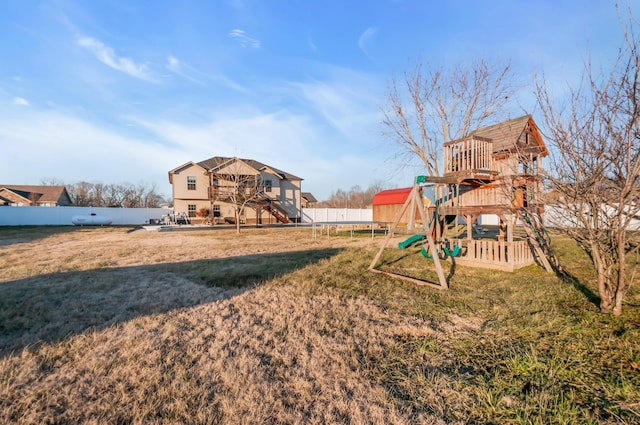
[(535, 350)]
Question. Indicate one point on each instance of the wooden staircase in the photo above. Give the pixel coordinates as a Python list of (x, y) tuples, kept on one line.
[(539, 239), (273, 208)]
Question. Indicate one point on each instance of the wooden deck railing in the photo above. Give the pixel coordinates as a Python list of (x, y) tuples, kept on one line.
[(496, 195), (495, 254), (471, 154), (499, 252)]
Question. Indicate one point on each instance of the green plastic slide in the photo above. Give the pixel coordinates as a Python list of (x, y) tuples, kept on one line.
[(410, 241)]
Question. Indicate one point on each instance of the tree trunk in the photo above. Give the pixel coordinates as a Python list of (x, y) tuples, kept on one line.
[(606, 298), (622, 266), (617, 308)]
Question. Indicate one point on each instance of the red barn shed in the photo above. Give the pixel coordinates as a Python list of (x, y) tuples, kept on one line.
[(388, 203)]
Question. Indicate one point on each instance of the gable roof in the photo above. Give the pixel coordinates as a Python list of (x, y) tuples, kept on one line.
[(217, 161), (309, 197), (40, 194), (392, 196), (180, 168), (507, 134)]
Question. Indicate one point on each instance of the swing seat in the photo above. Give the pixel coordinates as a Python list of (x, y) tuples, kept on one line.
[(442, 255), (455, 252), (425, 253)]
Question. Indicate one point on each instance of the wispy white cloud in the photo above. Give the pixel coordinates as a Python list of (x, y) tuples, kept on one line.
[(245, 41), (108, 56), (176, 66), (20, 101), (243, 131), (290, 141), (53, 143), (190, 73), (366, 40), (347, 100)]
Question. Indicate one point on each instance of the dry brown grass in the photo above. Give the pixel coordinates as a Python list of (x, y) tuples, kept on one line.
[(111, 325)]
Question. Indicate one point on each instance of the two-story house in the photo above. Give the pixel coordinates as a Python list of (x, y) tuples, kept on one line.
[(219, 185)]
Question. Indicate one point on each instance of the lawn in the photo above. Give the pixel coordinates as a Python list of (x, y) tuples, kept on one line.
[(119, 325)]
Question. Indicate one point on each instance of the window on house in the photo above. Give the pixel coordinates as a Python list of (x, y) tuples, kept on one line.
[(216, 211), (191, 209), (191, 183), (268, 185)]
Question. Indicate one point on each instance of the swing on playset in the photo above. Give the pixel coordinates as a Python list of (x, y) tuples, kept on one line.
[(443, 252)]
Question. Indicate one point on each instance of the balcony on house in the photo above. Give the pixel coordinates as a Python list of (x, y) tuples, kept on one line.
[(470, 158)]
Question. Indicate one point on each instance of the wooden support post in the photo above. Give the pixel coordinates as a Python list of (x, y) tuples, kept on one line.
[(510, 225), (412, 213), (470, 219), (432, 245), (393, 227), (414, 198)]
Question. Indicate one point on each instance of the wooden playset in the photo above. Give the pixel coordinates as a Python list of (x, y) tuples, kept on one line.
[(494, 170)]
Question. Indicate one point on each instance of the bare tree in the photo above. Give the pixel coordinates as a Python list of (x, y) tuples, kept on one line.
[(595, 167), (125, 195), (239, 185), (429, 108), (356, 198), (80, 193)]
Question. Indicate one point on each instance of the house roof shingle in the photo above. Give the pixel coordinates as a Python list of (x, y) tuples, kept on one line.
[(506, 134), (39, 194), (309, 197), (216, 161)]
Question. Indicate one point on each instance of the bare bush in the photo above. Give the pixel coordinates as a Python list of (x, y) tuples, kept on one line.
[(595, 166)]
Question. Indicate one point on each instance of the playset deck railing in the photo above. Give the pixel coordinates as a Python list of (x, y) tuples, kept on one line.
[(512, 255), (496, 195), (473, 154)]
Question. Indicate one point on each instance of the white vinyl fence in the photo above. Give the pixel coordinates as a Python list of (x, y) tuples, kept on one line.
[(57, 216), (322, 215), (557, 216)]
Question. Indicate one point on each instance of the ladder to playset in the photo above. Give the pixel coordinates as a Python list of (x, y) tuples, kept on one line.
[(539, 239), (414, 199)]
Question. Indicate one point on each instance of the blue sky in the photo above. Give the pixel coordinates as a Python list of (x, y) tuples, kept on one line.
[(123, 91)]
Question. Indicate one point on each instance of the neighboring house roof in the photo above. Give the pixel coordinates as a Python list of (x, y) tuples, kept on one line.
[(507, 134), (34, 195), (391, 196), (217, 161), (308, 196)]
